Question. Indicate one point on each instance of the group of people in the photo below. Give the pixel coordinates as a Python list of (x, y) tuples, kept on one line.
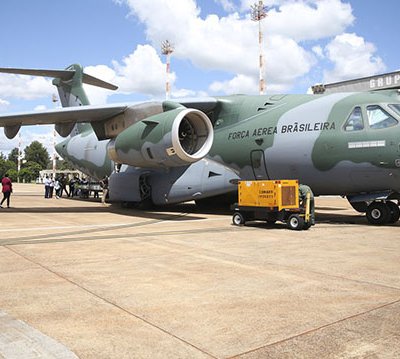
[(77, 187), (58, 185)]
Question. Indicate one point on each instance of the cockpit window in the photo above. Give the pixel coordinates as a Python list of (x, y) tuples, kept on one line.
[(395, 107), (355, 121), (379, 118)]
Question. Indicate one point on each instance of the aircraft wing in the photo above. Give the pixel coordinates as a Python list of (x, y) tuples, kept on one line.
[(62, 115), (64, 119), (107, 120)]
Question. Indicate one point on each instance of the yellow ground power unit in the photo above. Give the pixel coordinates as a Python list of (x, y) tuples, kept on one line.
[(274, 200), (276, 195)]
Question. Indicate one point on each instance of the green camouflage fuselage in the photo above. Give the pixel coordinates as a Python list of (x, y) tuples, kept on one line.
[(288, 136), (303, 137)]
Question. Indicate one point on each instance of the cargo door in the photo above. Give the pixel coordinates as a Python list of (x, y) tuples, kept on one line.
[(259, 165)]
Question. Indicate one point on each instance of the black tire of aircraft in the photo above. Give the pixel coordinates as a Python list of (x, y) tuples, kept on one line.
[(380, 213), (394, 212)]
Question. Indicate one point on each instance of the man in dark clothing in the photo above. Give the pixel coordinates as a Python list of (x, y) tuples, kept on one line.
[(63, 183), (6, 189), (303, 190), (72, 183)]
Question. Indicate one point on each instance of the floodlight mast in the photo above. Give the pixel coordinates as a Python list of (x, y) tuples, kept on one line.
[(19, 158), (167, 49), (259, 12), (54, 99)]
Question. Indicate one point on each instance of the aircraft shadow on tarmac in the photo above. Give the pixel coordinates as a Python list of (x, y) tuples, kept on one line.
[(190, 211), (325, 218), (157, 213)]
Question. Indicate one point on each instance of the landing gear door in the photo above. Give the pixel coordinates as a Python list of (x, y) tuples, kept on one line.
[(259, 165)]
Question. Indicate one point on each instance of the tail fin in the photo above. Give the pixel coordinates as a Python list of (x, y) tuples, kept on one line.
[(69, 85), (70, 88), (68, 82)]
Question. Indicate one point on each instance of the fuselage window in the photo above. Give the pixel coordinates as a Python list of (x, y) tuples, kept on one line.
[(379, 118), (355, 121)]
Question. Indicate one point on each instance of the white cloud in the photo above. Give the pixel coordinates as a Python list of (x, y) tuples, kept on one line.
[(237, 85), (230, 43), (243, 84), (28, 135), (142, 71), (309, 20), (7, 145), (317, 50), (352, 57), (4, 103), (25, 87), (40, 108), (227, 5), (180, 93)]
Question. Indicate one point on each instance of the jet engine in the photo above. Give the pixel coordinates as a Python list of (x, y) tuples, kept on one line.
[(170, 139)]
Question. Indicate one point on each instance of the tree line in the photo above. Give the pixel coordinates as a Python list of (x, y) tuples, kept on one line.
[(35, 158)]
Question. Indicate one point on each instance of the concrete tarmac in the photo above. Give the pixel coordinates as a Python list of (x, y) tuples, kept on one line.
[(78, 279)]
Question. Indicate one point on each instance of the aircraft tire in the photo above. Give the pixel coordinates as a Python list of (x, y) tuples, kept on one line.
[(295, 222), (238, 219), (394, 212), (378, 213)]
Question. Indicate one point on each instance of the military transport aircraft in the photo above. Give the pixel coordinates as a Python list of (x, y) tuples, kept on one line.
[(342, 140)]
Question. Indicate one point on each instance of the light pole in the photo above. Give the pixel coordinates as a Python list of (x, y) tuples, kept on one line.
[(19, 155), (167, 49), (259, 12), (54, 99)]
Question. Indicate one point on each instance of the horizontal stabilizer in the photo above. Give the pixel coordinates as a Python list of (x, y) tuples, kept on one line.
[(64, 75), (386, 81)]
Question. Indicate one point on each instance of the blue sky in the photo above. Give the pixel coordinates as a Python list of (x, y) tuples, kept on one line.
[(216, 50)]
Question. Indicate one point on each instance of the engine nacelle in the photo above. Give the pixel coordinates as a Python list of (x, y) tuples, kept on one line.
[(170, 139)]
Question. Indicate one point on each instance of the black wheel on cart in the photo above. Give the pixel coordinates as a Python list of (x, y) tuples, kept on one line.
[(295, 222), (238, 219)]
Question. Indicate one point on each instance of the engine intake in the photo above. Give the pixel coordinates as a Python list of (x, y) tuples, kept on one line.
[(170, 139)]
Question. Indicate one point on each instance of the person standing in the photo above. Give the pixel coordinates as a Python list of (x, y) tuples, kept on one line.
[(46, 183), (63, 183), (72, 183), (6, 189), (57, 188), (104, 184), (51, 187)]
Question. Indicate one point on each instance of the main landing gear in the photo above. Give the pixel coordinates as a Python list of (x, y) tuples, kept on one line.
[(380, 213)]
